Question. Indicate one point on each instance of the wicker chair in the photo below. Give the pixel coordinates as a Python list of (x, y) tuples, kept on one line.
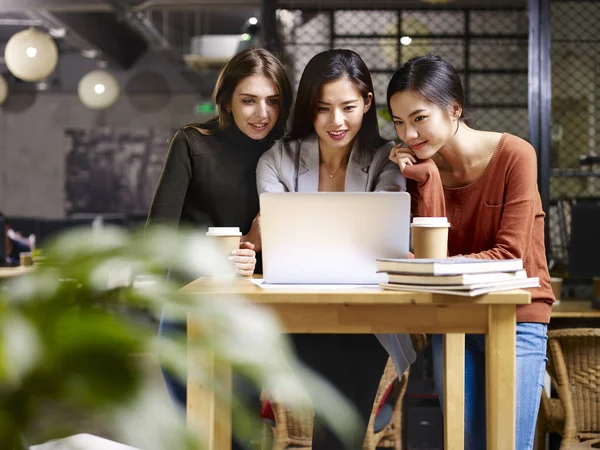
[(293, 428), (574, 367), (391, 435)]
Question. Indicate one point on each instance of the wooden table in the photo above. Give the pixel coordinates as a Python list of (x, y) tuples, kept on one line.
[(11, 272), (373, 310)]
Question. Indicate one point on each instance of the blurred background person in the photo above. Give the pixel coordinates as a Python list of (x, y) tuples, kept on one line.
[(14, 244)]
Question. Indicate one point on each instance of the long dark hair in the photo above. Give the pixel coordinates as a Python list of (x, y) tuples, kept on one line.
[(252, 61), (326, 67), (433, 78)]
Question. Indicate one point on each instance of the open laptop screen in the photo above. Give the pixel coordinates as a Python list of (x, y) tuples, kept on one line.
[(332, 237)]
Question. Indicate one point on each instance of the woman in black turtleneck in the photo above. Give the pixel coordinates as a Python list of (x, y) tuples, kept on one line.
[(209, 175)]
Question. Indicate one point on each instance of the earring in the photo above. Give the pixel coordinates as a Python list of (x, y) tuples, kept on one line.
[(228, 111)]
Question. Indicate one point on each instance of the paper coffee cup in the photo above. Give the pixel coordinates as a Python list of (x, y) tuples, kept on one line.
[(556, 284), (430, 237), (227, 239), (25, 259)]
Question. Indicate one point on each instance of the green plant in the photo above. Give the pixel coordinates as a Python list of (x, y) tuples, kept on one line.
[(68, 340), (384, 114)]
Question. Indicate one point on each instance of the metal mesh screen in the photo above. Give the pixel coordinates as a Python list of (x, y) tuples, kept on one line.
[(575, 133), (488, 48)]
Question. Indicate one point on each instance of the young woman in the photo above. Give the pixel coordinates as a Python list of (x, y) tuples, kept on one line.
[(334, 145), (209, 174), (486, 184)]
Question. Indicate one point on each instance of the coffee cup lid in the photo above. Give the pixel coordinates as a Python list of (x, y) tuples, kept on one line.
[(223, 231), (430, 222)]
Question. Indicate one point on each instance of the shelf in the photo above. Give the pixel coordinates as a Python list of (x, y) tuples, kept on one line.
[(572, 173), (199, 62)]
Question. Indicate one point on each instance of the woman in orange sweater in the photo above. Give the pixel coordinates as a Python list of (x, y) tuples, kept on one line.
[(486, 184)]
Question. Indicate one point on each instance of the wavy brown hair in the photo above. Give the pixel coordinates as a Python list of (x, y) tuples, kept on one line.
[(252, 61)]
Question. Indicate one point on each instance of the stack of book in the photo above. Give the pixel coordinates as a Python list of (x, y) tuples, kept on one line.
[(456, 276)]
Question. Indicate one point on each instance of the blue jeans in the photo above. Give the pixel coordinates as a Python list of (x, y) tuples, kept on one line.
[(176, 388), (531, 367)]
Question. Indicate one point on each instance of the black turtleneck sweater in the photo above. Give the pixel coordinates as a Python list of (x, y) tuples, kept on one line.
[(209, 180)]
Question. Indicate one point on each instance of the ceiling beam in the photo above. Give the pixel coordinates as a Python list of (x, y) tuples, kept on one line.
[(106, 5), (53, 5), (20, 22), (212, 4), (106, 32), (49, 21)]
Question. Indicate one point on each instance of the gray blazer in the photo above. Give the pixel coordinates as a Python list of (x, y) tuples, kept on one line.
[(293, 166)]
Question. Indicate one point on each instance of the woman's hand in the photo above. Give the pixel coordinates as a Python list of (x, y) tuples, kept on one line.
[(403, 156), (244, 259), (253, 235)]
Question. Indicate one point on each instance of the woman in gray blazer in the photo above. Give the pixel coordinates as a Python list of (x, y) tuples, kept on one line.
[(334, 145)]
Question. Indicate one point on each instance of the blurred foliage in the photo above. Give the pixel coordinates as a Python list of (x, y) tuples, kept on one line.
[(384, 114), (69, 338)]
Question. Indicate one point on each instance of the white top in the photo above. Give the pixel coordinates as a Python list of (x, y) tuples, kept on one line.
[(223, 231)]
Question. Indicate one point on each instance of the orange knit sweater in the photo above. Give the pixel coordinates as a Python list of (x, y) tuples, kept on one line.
[(498, 216)]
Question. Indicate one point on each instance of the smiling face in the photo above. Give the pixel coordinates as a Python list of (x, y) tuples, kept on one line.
[(339, 115), (255, 106), (421, 124)]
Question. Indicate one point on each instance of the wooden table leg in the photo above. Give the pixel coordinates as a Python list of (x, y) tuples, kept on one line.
[(208, 415), (500, 356), (454, 391)]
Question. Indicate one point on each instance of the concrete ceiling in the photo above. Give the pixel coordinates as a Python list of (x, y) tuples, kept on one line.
[(90, 25), (103, 26), (13, 22), (224, 14)]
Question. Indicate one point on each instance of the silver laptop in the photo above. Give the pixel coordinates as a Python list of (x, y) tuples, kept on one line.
[(332, 237)]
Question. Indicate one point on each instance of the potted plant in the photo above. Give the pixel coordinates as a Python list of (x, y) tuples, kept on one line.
[(72, 332)]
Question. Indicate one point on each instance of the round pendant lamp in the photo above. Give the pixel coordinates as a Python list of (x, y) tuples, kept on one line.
[(31, 55), (98, 89)]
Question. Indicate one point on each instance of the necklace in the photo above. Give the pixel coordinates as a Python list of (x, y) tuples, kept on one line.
[(331, 175)]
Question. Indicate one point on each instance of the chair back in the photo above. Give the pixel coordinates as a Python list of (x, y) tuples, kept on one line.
[(574, 366)]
